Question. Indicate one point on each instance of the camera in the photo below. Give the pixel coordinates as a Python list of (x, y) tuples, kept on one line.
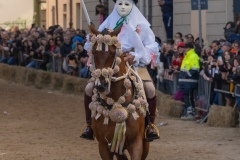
[(170, 72)]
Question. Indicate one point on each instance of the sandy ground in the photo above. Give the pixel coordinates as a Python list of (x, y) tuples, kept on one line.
[(45, 125)]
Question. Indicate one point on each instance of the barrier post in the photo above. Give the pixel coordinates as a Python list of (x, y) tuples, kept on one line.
[(175, 82), (53, 64)]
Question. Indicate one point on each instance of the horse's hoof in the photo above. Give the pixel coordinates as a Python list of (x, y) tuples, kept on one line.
[(88, 134)]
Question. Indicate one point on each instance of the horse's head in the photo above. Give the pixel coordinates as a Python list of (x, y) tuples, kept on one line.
[(106, 58)]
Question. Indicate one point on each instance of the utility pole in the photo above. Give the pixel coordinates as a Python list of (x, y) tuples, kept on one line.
[(70, 23), (150, 12), (36, 12), (141, 6), (200, 22), (57, 11)]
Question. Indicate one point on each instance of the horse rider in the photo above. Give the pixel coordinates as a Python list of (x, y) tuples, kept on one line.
[(138, 41)]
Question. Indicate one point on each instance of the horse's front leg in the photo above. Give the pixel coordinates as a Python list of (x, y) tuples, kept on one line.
[(136, 149), (105, 151), (121, 157), (146, 146)]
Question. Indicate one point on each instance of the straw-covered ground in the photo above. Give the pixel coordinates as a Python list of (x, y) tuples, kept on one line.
[(41, 124)]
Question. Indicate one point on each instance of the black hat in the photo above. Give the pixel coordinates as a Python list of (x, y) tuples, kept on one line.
[(135, 1), (83, 54), (188, 45)]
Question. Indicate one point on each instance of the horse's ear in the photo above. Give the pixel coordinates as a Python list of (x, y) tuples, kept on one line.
[(116, 31), (93, 29)]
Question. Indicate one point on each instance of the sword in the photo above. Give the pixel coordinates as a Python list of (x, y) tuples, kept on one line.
[(85, 12)]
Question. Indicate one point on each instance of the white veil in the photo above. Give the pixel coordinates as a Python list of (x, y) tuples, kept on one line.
[(144, 43), (134, 19)]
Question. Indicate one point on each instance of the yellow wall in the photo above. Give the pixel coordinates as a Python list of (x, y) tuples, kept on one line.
[(76, 18)]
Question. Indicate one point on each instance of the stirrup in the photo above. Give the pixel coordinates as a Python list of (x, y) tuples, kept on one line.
[(155, 128)]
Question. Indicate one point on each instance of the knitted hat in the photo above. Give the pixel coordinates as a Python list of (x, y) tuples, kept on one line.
[(135, 1)]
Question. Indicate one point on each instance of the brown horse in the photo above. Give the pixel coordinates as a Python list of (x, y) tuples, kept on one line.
[(105, 56)]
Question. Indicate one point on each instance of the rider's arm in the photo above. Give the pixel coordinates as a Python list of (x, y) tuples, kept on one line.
[(141, 53), (87, 43), (149, 45)]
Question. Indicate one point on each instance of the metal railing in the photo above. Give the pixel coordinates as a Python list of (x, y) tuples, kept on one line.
[(203, 97)]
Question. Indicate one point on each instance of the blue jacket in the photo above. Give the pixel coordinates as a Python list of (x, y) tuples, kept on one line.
[(167, 7)]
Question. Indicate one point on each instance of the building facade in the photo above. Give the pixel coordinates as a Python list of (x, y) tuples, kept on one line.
[(68, 13)]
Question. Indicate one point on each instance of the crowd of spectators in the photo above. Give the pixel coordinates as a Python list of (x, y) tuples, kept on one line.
[(219, 63), (54, 49), (58, 50)]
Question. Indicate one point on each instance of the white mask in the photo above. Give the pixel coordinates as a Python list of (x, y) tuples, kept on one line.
[(124, 7)]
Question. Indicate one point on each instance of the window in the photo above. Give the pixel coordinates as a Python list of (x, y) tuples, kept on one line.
[(53, 15), (64, 7), (64, 21), (78, 15)]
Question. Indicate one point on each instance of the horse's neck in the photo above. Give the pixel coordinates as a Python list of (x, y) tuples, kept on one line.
[(117, 88)]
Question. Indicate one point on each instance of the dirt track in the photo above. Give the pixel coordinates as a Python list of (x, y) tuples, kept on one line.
[(45, 125)]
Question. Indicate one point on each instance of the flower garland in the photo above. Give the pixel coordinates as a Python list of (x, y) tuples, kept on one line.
[(118, 113), (96, 107)]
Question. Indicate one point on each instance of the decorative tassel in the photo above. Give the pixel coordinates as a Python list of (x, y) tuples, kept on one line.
[(98, 47), (135, 115), (106, 119), (119, 137), (93, 113), (132, 109), (142, 111), (106, 116), (97, 116), (107, 40), (99, 41), (114, 141), (123, 139), (106, 47)]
